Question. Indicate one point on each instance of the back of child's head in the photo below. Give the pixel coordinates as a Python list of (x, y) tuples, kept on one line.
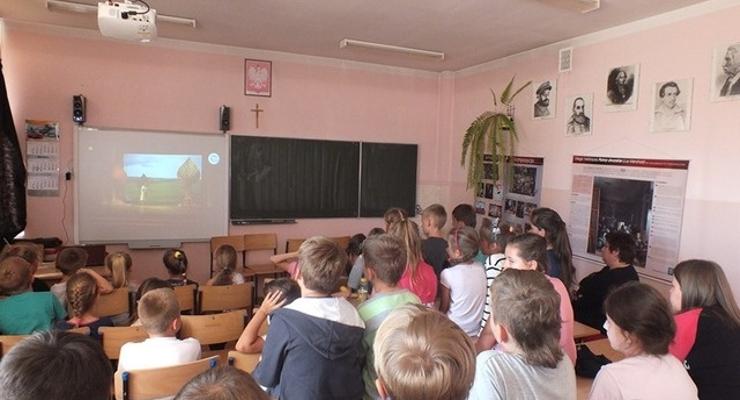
[(408, 231), (15, 276), (150, 284), (56, 365), (224, 260), (70, 259), (530, 247), (222, 383), (322, 264), (436, 214), (624, 244), (289, 289), (354, 247), (464, 240), (421, 355), (25, 251), (393, 215), (556, 236), (527, 305), (119, 266), (82, 291), (643, 313), (175, 261), (464, 213), (492, 234), (376, 231), (386, 256), (157, 309), (704, 284)]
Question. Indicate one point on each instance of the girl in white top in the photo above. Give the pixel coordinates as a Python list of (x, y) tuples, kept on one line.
[(463, 286), (639, 325), (225, 267)]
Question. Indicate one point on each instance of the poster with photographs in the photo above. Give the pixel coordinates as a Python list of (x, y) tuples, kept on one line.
[(726, 73), (522, 189), (622, 87), (640, 197), (544, 101), (580, 120), (672, 106)]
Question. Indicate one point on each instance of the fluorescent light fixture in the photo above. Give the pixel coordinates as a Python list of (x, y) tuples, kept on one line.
[(389, 47), (83, 8)]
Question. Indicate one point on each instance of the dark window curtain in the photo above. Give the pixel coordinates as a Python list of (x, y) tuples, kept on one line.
[(12, 172)]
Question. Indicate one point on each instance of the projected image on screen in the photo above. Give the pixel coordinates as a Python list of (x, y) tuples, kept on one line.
[(621, 205), (162, 179)]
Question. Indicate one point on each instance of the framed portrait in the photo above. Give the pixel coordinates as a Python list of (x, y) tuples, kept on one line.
[(579, 121), (726, 73), (544, 98), (672, 106), (622, 87), (258, 78)]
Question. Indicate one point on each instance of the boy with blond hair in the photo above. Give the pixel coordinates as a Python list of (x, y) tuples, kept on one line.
[(525, 319), (159, 314), (314, 349), (434, 247), (385, 262), (421, 355)]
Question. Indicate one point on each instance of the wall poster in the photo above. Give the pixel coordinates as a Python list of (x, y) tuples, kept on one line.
[(642, 197)]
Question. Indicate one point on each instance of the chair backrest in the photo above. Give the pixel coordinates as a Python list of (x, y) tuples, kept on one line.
[(213, 328), (114, 303), (342, 241), (82, 331), (186, 297), (260, 241), (8, 341), (221, 298), (292, 245), (114, 337), (242, 361), (155, 383)]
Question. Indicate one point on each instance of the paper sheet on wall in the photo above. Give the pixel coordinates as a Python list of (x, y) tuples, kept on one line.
[(641, 197)]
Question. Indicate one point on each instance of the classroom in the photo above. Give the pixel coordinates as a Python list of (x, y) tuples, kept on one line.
[(177, 85)]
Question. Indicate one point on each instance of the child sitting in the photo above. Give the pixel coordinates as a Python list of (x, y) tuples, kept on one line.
[(464, 284), (225, 262), (358, 267), (419, 277), (148, 285), (24, 312), (71, 260), (525, 320), (278, 293), (118, 265), (493, 240), (314, 349), (29, 253), (82, 293), (222, 383), (160, 316), (422, 355), (434, 247), (639, 325), (176, 263), (384, 266)]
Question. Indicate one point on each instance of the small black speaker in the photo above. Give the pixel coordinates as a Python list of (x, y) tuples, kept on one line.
[(224, 118), (79, 109)]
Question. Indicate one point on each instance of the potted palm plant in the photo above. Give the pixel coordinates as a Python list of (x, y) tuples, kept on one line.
[(493, 132)]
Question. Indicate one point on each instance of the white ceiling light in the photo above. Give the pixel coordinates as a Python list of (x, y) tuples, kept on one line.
[(388, 47), (83, 8)]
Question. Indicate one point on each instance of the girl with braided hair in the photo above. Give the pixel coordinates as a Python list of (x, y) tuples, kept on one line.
[(82, 293)]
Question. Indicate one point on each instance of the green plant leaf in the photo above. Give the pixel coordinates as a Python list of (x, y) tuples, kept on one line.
[(494, 98), (505, 94), (519, 91)]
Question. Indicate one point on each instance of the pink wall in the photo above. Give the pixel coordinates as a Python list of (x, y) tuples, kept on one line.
[(140, 87), (675, 51)]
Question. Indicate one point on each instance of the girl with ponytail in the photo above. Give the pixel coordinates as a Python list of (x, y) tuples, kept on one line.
[(176, 263), (82, 293), (419, 277), (224, 260), (547, 223)]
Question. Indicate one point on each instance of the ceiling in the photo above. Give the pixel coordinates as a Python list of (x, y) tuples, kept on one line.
[(470, 32)]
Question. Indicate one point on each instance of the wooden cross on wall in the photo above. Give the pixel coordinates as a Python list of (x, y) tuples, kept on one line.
[(257, 110)]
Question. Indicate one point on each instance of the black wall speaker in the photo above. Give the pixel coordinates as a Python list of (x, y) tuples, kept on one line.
[(79, 109), (224, 118)]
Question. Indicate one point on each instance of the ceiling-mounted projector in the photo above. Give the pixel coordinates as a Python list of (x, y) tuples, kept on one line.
[(126, 20)]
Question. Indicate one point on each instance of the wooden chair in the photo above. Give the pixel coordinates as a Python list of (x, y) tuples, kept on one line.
[(236, 241), (8, 341), (261, 242), (114, 303), (341, 241), (292, 245), (213, 328), (242, 361), (222, 298), (186, 297), (114, 337), (155, 383)]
